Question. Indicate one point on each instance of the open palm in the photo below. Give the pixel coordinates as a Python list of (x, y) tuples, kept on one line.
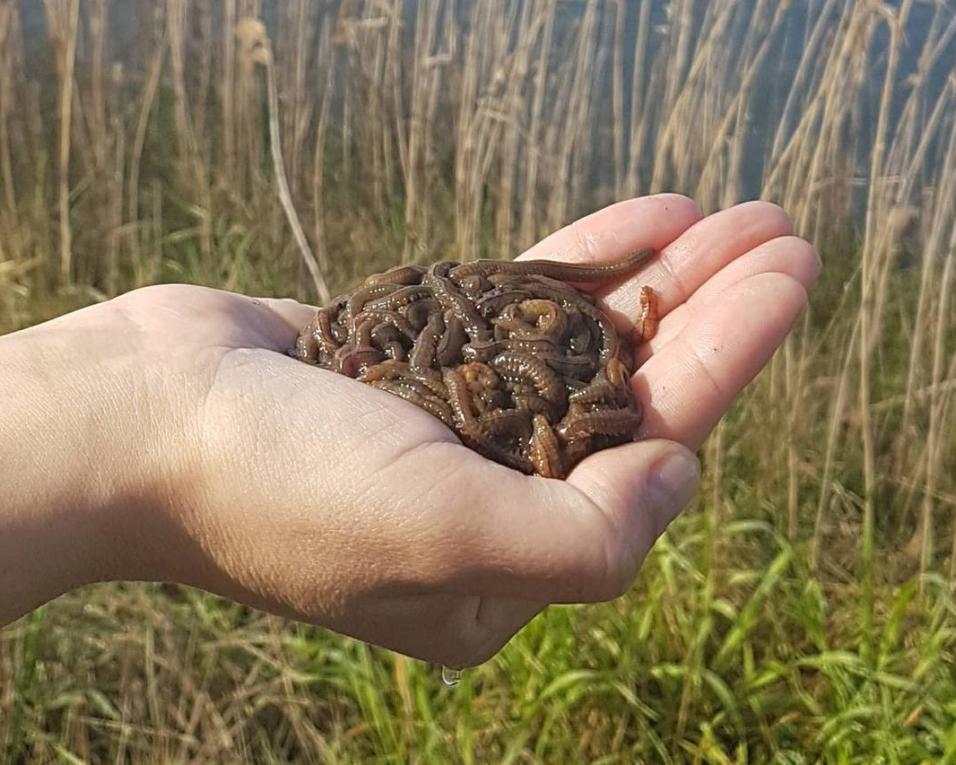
[(332, 502)]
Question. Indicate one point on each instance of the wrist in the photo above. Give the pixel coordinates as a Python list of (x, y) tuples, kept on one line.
[(76, 487)]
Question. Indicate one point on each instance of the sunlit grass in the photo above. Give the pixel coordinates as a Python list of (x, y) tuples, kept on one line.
[(704, 659)]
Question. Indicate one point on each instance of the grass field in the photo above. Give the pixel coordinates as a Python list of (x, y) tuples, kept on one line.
[(802, 612)]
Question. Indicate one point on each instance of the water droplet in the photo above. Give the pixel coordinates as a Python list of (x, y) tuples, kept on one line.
[(450, 677)]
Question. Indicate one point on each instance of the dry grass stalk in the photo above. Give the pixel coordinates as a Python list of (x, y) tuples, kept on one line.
[(63, 21), (256, 42)]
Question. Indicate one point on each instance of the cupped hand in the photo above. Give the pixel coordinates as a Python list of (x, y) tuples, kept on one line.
[(307, 494)]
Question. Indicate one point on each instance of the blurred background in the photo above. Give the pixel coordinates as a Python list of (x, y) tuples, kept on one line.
[(801, 612)]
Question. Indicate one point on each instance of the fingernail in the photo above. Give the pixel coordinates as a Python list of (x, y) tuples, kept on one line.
[(673, 485)]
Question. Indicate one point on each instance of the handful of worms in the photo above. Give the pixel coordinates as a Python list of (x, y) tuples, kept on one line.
[(524, 367)]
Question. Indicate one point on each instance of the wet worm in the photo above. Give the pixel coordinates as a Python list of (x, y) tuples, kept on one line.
[(555, 269)]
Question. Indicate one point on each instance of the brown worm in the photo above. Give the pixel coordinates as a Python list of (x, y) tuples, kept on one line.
[(426, 344), (418, 312), (646, 326), (545, 449), (431, 404), (452, 341), (540, 375), (555, 320), (391, 317), (485, 350), (399, 298), (323, 331), (349, 360), (400, 370), (556, 269), (615, 422), (595, 393), (384, 333), (360, 297), (400, 275), (453, 300), (507, 422)]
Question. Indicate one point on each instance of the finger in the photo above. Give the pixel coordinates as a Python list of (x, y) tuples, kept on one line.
[(690, 383), (696, 255), (620, 229), (579, 540), (788, 255)]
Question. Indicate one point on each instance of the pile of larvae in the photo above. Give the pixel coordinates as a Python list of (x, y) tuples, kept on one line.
[(524, 367)]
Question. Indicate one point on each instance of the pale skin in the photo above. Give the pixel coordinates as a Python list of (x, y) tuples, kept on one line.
[(166, 436)]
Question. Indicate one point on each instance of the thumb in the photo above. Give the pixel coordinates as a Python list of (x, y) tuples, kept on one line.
[(573, 541), (640, 488)]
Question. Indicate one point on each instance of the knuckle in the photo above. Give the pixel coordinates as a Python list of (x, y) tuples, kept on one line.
[(584, 241)]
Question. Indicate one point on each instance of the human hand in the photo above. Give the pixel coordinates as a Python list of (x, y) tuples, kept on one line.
[(299, 491)]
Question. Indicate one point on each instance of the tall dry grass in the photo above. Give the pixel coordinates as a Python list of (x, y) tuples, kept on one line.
[(440, 128)]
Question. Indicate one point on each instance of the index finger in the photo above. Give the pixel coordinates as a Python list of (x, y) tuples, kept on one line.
[(619, 229)]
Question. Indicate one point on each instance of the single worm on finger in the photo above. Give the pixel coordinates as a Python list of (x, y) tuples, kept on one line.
[(556, 269), (646, 326)]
